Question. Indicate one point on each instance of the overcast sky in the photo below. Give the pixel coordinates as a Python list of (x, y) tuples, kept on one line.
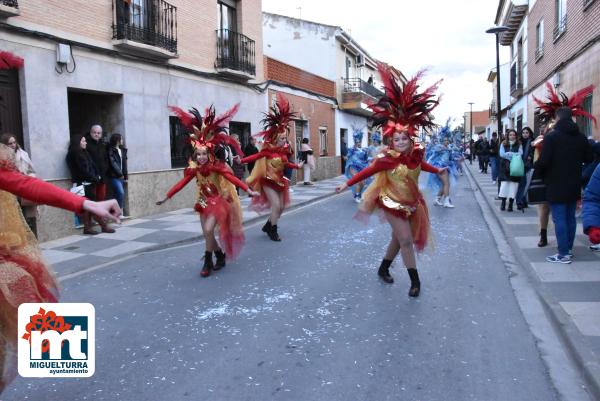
[(446, 36)]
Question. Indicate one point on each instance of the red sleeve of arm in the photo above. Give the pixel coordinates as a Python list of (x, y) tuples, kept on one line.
[(366, 173), (236, 181), (39, 191), (252, 158), (292, 165), (180, 185), (429, 168)]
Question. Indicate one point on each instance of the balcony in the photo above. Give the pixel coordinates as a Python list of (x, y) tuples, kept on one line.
[(147, 27), (560, 28), (516, 80), (357, 94), (9, 8), (539, 52), (235, 54)]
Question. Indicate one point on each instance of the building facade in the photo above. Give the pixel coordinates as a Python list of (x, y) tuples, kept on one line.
[(565, 51), (121, 65), (332, 54), (494, 113)]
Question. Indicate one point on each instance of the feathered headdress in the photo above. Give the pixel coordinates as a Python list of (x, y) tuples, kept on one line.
[(547, 109), (404, 109), (445, 132), (276, 120), (210, 130), (9, 61)]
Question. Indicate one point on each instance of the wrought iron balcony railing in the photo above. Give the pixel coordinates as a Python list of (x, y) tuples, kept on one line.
[(235, 52), (539, 52), (10, 3), (560, 28), (358, 85), (151, 22)]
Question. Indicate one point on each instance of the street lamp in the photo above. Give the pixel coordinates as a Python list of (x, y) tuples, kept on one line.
[(471, 120), (497, 30)]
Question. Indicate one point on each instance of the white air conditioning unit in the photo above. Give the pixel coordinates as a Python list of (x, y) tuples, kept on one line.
[(556, 80), (63, 53)]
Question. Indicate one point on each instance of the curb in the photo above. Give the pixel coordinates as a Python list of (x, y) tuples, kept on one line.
[(576, 344)]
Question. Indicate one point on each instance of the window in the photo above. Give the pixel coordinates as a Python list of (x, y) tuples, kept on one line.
[(585, 124), (227, 16), (587, 3), (561, 18), (539, 40), (138, 13), (323, 140), (180, 149)]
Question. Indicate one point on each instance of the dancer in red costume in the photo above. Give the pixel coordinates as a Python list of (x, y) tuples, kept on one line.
[(267, 175), (217, 200), (24, 277), (395, 191)]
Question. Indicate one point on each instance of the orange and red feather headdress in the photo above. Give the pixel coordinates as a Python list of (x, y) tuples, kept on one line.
[(404, 109), (276, 120), (208, 131), (547, 109)]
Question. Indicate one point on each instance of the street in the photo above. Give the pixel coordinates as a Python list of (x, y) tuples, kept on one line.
[(308, 319)]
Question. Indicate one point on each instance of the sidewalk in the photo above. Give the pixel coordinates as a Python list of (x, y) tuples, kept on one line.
[(77, 252), (571, 293)]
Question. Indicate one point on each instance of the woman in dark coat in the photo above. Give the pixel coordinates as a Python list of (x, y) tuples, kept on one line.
[(591, 210), (117, 167), (84, 172), (526, 138)]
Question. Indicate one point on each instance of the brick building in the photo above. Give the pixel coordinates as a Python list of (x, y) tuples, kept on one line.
[(313, 100), (565, 51), (120, 63)]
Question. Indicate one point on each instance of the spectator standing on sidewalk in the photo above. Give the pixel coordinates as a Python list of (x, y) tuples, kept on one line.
[(477, 145), (250, 150), (84, 172), (483, 153), (563, 154), (494, 161), (237, 166), (511, 147), (526, 139), (97, 149), (117, 167), (591, 210), (472, 151), (306, 156)]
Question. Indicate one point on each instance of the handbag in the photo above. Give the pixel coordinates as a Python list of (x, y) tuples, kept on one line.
[(536, 193), (517, 167)]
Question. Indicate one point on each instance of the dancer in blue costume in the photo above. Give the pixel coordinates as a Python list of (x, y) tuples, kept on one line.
[(458, 153), (442, 156), (376, 145), (358, 160)]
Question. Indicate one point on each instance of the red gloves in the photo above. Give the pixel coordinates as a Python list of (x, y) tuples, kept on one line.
[(594, 234)]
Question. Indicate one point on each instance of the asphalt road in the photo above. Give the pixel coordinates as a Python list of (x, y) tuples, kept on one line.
[(308, 319)]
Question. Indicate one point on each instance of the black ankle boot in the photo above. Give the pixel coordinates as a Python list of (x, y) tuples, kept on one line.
[(415, 283), (208, 264), (543, 238), (503, 205), (220, 263), (273, 233), (384, 271), (267, 227), (510, 205)]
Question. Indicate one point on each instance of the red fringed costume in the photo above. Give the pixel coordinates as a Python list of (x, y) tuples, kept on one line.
[(395, 188), (216, 195), (24, 277), (271, 160)]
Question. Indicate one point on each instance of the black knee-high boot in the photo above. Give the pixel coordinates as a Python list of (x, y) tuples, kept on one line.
[(510, 204), (220, 263), (503, 205), (208, 264), (415, 283), (384, 271)]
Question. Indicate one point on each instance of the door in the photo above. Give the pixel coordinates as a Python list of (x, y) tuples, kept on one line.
[(10, 105)]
